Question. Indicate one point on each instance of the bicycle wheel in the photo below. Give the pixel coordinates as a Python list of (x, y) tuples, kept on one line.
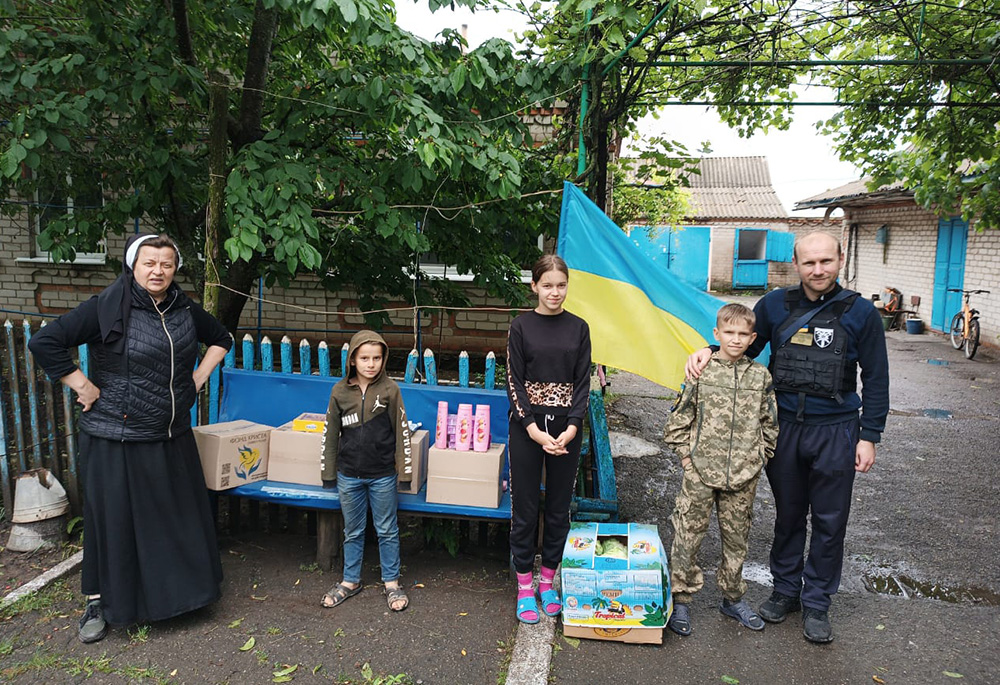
[(972, 344), (956, 330)]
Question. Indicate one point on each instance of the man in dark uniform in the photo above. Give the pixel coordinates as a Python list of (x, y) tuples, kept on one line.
[(820, 335)]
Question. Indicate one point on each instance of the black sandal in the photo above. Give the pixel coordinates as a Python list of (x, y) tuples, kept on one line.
[(338, 593), (396, 594)]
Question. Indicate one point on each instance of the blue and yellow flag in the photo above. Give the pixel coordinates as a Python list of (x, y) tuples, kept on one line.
[(642, 318)]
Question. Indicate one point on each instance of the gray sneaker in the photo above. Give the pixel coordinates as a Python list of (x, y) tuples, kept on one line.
[(742, 612), (93, 627)]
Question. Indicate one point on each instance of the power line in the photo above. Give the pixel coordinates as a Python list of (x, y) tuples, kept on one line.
[(789, 63), (800, 103)]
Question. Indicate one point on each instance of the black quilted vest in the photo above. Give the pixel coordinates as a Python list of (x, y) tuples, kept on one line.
[(148, 391)]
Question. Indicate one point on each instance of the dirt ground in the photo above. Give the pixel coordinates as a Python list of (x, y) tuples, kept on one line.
[(458, 629), (920, 601)]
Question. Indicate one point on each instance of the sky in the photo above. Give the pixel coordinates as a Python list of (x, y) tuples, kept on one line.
[(802, 162)]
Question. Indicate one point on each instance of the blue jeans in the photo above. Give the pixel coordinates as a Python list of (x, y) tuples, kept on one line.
[(355, 496)]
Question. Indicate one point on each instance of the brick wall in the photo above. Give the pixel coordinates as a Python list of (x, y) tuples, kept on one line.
[(907, 261), (310, 312), (304, 310)]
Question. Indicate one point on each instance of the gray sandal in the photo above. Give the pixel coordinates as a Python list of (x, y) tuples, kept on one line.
[(338, 593), (393, 595)]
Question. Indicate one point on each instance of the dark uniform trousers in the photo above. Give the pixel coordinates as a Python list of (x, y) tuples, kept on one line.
[(812, 472)]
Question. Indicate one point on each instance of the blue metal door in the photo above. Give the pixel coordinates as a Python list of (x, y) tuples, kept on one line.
[(750, 258), (949, 271), (683, 251)]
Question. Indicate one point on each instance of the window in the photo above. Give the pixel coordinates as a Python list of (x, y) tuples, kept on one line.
[(77, 201)]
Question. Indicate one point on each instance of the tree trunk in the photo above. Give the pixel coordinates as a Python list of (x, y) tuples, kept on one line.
[(242, 278), (218, 143)]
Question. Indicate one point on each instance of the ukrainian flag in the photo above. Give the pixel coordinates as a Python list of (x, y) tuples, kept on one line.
[(642, 318)]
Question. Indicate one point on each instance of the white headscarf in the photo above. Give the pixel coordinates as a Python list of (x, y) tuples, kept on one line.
[(133, 251)]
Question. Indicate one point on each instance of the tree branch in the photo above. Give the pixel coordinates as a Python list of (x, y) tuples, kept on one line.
[(183, 31), (265, 27)]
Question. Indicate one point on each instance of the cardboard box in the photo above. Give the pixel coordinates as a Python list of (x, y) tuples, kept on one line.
[(615, 576), (419, 442), (309, 423), (233, 453), (466, 478), (642, 636), (295, 456)]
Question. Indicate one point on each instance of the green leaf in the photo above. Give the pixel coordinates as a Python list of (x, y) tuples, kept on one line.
[(348, 9), (236, 623), (457, 78), (281, 679), (729, 680), (476, 75), (573, 642), (28, 79), (638, 54), (952, 674), (248, 645), (286, 670)]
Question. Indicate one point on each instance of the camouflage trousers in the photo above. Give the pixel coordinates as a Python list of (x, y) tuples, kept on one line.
[(692, 512)]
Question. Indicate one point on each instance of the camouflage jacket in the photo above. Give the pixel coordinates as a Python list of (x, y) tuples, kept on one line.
[(726, 422)]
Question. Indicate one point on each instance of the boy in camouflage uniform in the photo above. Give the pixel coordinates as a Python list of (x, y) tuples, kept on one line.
[(724, 428)]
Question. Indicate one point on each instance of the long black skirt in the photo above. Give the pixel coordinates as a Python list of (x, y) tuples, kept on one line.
[(149, 545)]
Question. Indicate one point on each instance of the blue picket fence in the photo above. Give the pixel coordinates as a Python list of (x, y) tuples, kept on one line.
[(38, 418)]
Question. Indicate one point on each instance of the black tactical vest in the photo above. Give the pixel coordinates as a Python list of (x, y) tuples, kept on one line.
[(814, 360)]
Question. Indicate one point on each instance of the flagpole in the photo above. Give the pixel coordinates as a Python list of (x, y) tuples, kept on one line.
[(581, 158)]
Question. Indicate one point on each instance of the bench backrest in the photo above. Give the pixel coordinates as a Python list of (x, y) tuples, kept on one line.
[(276, 398)]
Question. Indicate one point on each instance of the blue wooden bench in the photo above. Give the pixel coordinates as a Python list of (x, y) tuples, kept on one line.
[(274, 399)]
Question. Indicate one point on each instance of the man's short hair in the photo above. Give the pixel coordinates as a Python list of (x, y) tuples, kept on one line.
[(735, 313), (795, 246)]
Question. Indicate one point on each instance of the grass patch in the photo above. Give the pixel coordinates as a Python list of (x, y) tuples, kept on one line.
[(138, 634), (87, 667), (506, 651), (42, 601), (6, 646)]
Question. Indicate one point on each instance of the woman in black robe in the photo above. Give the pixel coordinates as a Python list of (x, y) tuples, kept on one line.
[(149, 545)]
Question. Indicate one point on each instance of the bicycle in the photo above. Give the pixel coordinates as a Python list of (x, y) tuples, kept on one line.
[(965, 325)]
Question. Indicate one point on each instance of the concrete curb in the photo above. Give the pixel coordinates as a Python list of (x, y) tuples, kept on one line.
[(53, 574), (529, 664)]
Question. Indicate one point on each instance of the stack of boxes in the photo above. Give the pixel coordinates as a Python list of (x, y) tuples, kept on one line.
[(463, 466), (240, 452)]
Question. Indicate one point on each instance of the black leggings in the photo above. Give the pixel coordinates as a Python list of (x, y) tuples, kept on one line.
[(526, 459)]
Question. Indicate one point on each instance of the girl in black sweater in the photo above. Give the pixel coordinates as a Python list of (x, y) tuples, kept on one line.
[(548, 384)]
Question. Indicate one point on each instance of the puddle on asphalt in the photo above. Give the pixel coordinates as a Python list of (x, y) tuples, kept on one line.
[(899, 585), (938, 362), (929, 413), (937, 413)]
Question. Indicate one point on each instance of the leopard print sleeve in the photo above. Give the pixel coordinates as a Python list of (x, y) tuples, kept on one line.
[(520, 404)]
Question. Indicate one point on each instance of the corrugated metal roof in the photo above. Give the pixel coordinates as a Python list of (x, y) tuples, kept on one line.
[(731, 172), (855, 193), (733, 188), (737, 203)]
